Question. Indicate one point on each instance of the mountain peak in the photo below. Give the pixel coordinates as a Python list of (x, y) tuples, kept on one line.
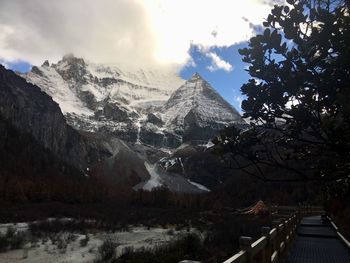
[(196, 77), (71, 59), (197, 104), (68, 56), (46, 64)]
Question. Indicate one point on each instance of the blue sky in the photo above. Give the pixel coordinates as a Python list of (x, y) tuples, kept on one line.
[(227, 83), (19, 65)]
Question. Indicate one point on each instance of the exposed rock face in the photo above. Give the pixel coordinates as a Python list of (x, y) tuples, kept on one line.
[(23, 156), (32, 111), (73, 69), (197, 112), (33, 124), (139, 106), (116, 112), (152, 118), (46, 64)]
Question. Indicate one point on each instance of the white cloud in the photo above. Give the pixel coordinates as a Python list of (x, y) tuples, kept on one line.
[(191, 63), (218, 63), (102, 31), (179, 23), (138, 32), (4, 63), (238, 100)]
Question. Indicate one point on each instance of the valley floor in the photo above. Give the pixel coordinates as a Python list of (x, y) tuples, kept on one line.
[(138, 234), (70, 247)]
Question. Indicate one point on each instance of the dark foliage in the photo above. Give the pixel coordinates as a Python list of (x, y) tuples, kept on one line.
[(107, 251), (84, 241), (187, 247), (219, 243), (297, 97), (12, 239)]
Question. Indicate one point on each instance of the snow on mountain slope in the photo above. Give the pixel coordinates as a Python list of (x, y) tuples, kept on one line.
[(147, 109), (138, 88), (174, 182), (140, 105), (198, 96), (164, 81), (76, 85), (54, 85), (155, 180)]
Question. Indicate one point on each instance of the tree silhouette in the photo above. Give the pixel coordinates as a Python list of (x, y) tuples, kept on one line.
[(298, 96)]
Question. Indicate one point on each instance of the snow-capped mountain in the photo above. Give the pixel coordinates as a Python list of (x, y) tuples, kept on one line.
[(82, 88), (133, 116), (139, 106), (196, 111)]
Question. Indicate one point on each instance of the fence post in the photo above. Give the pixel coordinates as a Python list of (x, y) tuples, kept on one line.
[(288, 235), (277, 241), (282, 229), (267, 252), (245, 243)]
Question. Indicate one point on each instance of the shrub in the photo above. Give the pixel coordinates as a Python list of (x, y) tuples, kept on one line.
[(179, 227), (61, 243), (12, 239), (10, 232), (128, 250), (84, 241), (18, 240), (71, 237), (106, 252), (4, 243), (170, 232), (188, 246)]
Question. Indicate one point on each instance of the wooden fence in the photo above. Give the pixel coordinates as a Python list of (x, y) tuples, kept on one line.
[(340, 236), (275, 243)]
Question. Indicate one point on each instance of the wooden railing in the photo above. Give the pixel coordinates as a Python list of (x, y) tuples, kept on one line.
[(340, 236), (275, 243), (270, 247)]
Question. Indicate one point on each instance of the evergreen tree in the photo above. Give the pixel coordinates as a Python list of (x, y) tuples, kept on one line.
[(298, 97)]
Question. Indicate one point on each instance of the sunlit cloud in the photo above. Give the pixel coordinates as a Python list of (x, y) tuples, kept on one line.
[(219, 23), (135, 32), (218, 63)]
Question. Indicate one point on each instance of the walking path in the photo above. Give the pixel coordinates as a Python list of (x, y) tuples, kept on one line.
[(317, 242)]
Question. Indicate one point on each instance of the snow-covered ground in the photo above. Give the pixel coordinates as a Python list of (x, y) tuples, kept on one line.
[(45, 250), (199, 186), (172, 181), (155, 180)]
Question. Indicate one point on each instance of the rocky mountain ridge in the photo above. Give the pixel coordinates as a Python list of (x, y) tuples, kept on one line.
[(136, 128), (138, 106), (35, 139)]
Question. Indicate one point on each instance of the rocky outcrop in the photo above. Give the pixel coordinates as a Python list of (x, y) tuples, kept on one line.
[(105, 98), (72, 69), (115, 113), (109, 137), (33, 112), (135, 105), (152, 118), (34, 136), (196, 112)]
